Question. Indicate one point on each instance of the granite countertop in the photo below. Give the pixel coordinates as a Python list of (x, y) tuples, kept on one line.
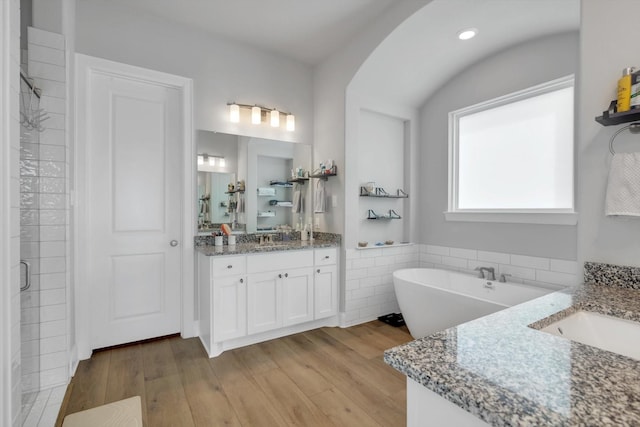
[(508, 374), (252, 247)]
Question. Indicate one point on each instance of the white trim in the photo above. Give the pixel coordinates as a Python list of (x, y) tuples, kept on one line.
[(85, 67), (532, 216), (557, 218)]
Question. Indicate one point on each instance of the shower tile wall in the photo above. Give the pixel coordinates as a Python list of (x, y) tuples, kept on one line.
[(46, 64)]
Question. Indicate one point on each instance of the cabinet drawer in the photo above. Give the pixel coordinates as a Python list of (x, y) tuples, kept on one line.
[(326, 256), (279, 261), (228, 266)]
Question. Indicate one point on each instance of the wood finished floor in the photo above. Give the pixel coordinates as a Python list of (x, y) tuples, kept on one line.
[(325, 377)]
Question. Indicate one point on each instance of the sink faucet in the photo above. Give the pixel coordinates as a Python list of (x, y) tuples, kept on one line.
[(488, 273), (266, 238)]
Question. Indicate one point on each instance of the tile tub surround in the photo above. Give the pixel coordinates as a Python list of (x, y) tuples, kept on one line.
[(249, 243), (506, 373)]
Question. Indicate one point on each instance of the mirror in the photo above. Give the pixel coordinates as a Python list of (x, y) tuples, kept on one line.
[(246, 182)]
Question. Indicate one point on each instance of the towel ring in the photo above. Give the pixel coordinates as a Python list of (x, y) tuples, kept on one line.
[(633, 128)]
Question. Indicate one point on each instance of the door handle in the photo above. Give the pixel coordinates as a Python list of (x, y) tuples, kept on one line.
[(27, 282), (173, 243)]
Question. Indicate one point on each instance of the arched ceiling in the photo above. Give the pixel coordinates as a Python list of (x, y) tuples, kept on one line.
[(424, 52)]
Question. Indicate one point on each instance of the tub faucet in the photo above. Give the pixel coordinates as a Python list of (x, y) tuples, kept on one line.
[(488, 273)]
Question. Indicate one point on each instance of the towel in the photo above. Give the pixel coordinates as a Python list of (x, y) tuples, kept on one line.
[(265, 191), (320, 201), (623, 187), (296, 204)]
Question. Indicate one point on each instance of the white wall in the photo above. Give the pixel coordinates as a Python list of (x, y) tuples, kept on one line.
[(516, 68), (223, 71), (602, 58)]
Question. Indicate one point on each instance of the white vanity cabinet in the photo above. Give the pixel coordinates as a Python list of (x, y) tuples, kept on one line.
[(244, 299)]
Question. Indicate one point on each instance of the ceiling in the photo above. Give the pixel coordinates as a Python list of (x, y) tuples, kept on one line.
[(408, 66), (424, 52), (308, 31)]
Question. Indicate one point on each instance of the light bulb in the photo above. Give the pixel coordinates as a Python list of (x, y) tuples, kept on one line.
[(212, 161), (200, 160), (221, 162), (467, 34), (234, 113), (275, 118), (256, 114), (291, 122)]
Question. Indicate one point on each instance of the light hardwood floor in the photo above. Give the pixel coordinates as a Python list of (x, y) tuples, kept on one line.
[(325, 377)]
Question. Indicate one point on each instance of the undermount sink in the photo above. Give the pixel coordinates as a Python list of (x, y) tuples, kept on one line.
[(613, 334)]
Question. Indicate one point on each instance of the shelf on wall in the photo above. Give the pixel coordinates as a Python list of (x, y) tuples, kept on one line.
[(234, 192), (323, 176), (298, 180), (392, 215), (611, 119), (276, 183), (400, 194), (374, 246)]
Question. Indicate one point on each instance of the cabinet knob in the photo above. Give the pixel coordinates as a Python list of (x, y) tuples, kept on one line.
[(229, 266), (280, 276), (241, 280), (318, 271), (173, 243), (286, 274), (327, 257)]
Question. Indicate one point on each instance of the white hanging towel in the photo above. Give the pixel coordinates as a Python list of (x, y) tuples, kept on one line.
[(320, 202), (296, 203), (623, 186)]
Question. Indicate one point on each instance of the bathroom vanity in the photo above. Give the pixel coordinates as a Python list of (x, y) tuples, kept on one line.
[(248, 293), (503, 370)]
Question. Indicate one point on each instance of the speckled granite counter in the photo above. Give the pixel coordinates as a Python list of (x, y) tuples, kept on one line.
[(247, 244), (509, 374)]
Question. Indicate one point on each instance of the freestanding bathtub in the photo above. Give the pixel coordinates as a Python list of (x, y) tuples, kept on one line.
[(432, 299)]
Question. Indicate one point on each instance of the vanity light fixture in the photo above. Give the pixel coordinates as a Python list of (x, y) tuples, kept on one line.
[(260, 114), (275, 118), (467, 34), (200, 160), (234, 113)]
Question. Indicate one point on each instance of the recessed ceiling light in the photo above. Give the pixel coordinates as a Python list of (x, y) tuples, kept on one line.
[(467, 34)]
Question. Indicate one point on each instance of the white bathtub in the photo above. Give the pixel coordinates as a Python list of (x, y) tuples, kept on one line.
[(432, 300)]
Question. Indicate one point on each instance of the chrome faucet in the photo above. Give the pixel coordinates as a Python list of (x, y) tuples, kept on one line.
[(488, 273)]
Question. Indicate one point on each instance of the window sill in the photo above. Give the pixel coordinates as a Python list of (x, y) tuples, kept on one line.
[(547, 218)]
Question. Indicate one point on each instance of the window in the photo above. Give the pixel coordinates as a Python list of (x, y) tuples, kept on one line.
[(511, 158)]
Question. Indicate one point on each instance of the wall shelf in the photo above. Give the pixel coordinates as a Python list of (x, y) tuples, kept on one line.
[(234, 192), (285, 184), (298, 180), (611, 119), (324, 177), (400, 194), (391, 215)]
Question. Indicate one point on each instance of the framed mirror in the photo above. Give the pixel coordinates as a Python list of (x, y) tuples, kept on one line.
[(251, 183)]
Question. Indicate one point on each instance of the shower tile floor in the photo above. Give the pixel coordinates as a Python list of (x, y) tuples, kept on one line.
[(44, 411)]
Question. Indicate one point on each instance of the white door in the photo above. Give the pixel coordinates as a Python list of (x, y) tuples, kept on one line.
[(134, 181), (230, 308), (264, 307), (326, 291)]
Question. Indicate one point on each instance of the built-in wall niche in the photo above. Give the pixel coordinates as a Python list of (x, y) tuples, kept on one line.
[(381, 172), (254, 162)]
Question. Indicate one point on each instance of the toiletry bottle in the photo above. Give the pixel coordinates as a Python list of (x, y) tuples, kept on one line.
[(304, 234), (624, 90), (634, 102)]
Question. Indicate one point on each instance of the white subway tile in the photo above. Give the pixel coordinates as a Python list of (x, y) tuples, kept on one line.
[(519, 272), (371, 312), (46, 71), (46, 54), (53, 217), (54, 328), (380, 298), (53, 345), (352, 254), (556, 278), (53, 360), (377, 271), (53, 312), (391, 251), (52, 169), (52, 233), (563, 266), (463, 253), (384, 260), (385, 289), (53, 377), (371, 253), (52, 297), (352, 284), (437, 250), (370, 281), (432, 259), (494, 257), (45, 38), (530, 262), (52, 185), (355, 304), (53, 281), (473, 264), (53, 152), (363, 263), (356, 273), (362, 293), (54, 121), (52, 137), (454, 262)]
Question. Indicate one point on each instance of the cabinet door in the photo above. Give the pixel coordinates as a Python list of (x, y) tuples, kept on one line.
[(263, 302), (297, 293), (230, 308), (325, 291)]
